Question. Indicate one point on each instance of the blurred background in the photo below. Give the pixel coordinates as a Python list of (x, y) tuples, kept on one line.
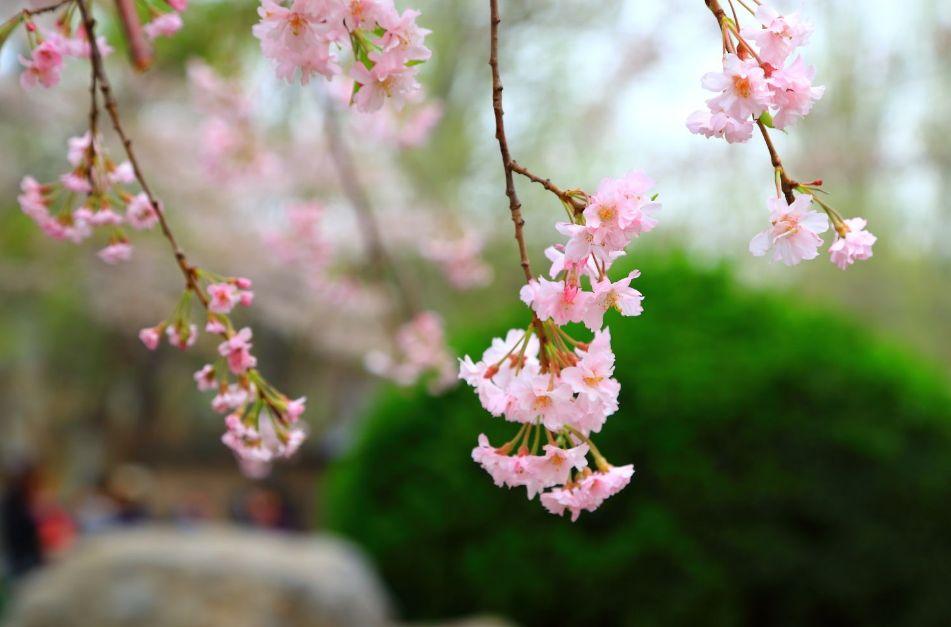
[(790, 427)]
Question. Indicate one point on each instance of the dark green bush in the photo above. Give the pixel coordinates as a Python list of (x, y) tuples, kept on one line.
[(791, 470)]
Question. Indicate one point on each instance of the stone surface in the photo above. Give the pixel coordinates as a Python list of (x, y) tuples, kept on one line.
[(204, 577)]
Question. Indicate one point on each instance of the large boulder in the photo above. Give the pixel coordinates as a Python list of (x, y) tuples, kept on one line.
[(204, 577)]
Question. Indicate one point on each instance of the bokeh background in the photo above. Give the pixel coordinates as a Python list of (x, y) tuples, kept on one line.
[(790, 427)]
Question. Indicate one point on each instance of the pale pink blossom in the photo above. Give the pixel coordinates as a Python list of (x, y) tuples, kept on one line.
[(368, 13), (719, 124), (793, 233), (540, 396), (404, 36), (102, 217), (164, 25), (855, 245), (230, 398), (122, 174), (214, 325), (793, 92), (33, 200), (237, 351), (222, 297), (76, 182), (116, 252), (78, 148), (206, 379), (43, 67), (182, 336), (178, 5), (295, 409), (592, 376), (588, 493), (140, 212), (742, 86), (299, 37), (389, 78), (778, 36), (561, 301), (151, 336), (618, 295)]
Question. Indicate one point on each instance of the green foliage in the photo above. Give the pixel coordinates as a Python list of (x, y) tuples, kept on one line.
[(791, 470)]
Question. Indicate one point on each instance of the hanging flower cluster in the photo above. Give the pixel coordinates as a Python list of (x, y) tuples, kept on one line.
[(49, 46), (300, 37), (555, 386), (419, 352), (764, 85), (92, 196), (460, 259), (95, 195)]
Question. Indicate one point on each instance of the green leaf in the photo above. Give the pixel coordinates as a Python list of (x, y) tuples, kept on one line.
[(7, 28)]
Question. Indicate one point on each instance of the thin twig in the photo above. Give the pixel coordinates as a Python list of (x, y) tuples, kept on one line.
[(366, 218), (46, 9), (95, 56), (139, 48), (786, 183), (577, 205), (515, 206)]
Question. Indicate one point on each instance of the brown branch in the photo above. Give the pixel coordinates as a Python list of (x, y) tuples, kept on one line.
[(46, 9), (366, 218), (515, 206), (786, 183), (577, 205), (95, 56), (139, 48)]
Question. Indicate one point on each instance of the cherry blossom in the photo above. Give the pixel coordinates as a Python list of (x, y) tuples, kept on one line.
[(855, 244), (43, 67), (793, 233)]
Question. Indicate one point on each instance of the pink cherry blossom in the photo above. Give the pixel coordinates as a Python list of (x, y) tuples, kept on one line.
[(558, 300), (390, 78), (78, 148), (299, 37), (540, 396), (164, 25), (368, 13), (230, 398), (140, 213), (237, 351), (295, 409), (589, 493), (214, 325), (793, 92), (779, 35), (719, 124), (178, 5), (743, 89), (182, 336), (592, 376), (151, 336), (618, 295), (404, 36), (794, 231), (122, 174), (222, 297), (206, 379), (43, 67), (855, 245), (116, 252)]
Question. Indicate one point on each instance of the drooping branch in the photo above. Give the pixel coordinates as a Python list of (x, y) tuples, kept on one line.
[(139, 48), (95, 56), (787, 185), (515, 206), (574, 202), (359, 199)]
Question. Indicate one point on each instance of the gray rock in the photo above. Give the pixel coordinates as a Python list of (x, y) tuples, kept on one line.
[(204, 577)]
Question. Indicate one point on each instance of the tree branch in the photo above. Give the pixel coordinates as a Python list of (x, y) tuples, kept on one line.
[(366, 219), (95, 57), (577, 205)]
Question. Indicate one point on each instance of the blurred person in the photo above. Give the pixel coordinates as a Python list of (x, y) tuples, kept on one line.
[(22, 545), (264, 507)]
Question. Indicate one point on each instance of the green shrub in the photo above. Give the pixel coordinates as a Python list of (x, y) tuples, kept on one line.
[(791, 470)]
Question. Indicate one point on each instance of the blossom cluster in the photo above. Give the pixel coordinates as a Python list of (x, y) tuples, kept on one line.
[(92, 196), (758, 79), (763, 84), (49, 48), (301, 36), (552, 384), (419, 351), (460, 259), (261, 423)]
